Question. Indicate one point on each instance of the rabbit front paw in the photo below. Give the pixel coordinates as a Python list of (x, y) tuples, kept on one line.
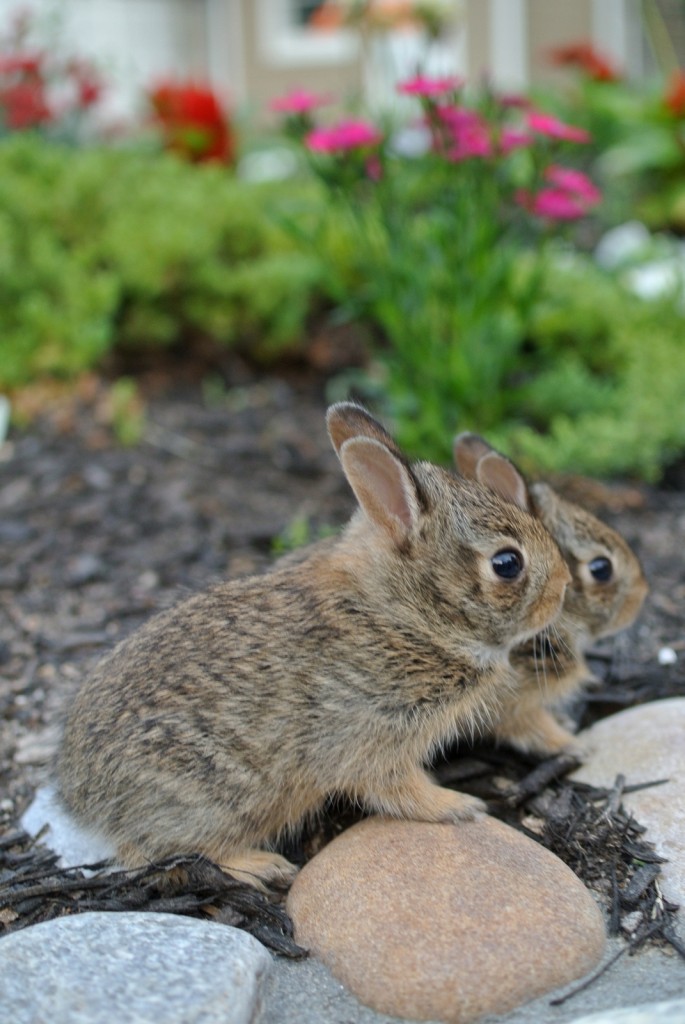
[(420, 799)]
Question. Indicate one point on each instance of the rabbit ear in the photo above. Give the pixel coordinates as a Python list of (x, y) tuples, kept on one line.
[(502, 477), (383, 486), (347, 419), (546, 501), (467, 449)]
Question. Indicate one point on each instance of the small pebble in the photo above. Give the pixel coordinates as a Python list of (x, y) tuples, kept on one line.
[(667, 656)]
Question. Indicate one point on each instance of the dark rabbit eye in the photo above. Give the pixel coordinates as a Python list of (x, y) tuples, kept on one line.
[(507, 564), (601, 569)]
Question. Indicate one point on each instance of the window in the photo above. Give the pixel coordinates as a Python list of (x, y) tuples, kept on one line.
[(287, 38)]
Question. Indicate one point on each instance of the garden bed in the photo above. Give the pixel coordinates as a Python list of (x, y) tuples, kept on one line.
[(97, 537)]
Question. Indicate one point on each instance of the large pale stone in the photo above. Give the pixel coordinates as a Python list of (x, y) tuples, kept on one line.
[(130, 969), (445, 922), (646, 743), (671, 1012)]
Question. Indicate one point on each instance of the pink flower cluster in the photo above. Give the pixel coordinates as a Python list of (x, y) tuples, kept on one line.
[(460, 133), (429, 88), (299, 101), (569, 195), (343, 137)]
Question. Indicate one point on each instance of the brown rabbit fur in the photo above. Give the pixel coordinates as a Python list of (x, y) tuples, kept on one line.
[(226, 720), (552, 666)]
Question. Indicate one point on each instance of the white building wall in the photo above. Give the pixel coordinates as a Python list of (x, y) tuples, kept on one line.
[(135, 42)]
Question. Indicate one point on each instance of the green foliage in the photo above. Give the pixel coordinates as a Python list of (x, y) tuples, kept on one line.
[(298, 532), (126, 411), (601, 387), (596, 388), (106, 247)]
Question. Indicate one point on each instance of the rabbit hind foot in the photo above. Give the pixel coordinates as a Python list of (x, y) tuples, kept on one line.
[(260, 868)]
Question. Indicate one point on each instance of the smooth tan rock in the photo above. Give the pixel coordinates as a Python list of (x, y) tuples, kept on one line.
[(646, 743), (445, 922)]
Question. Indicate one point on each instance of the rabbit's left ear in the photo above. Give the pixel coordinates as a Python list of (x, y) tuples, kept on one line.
[(347, 419), (467, 449), (383, 486), (501, 476)]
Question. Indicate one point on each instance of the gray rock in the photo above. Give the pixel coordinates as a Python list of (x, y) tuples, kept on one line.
[(671, 1012), (132, 969), (305, 992)]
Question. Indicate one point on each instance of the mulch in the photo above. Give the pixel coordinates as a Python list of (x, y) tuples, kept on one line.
[(96, 537)]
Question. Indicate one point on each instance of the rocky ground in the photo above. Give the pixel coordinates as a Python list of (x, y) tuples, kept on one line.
[(95, 537)]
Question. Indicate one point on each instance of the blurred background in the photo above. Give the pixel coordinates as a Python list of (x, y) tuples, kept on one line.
[(251, 50), (468, 213)]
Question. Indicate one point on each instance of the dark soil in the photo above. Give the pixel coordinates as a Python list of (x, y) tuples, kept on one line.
[(95, 537)]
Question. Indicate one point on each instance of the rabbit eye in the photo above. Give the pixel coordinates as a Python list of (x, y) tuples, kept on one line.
[(601, 569), (507, 564)]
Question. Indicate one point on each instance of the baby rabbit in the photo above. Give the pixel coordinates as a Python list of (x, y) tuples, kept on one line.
[(605, 595), (227, 719)]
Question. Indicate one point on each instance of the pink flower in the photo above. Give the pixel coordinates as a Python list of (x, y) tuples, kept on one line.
[(570, 196), (344, 136), (472, 141), (465, 134), (457, 117), (574, 182), (555, 204), (514, 100), (428, 87), (513, 139), (299, 101), (553, 128)]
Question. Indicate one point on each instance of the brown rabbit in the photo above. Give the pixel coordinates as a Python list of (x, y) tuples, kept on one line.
[(605, 595), (224, 721)]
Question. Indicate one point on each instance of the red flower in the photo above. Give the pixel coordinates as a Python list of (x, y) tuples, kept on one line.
[(89, 86), (24, 105), (193, 121), (674, 97), (21, 64), (583, 55)]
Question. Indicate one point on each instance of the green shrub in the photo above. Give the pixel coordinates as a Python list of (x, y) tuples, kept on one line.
[(606, 378), (103, 247)]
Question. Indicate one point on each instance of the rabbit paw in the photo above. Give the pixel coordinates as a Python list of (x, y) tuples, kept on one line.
[(465, 808), (261, 868)]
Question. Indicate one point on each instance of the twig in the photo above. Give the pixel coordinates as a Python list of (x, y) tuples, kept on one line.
[(591, 980), (540, 777)]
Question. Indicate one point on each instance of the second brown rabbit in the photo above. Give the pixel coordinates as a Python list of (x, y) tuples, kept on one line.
[(605, 595), (224, 721)]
